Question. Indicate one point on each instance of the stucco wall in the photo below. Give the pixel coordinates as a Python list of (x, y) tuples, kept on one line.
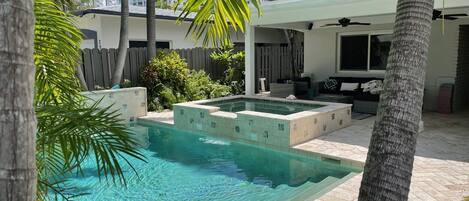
[(166, 30), (130, 103), (321, 55)]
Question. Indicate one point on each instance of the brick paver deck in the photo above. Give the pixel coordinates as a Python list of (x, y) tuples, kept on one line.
[(441, 167)]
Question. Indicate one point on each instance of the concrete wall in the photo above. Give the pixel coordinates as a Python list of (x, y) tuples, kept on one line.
[(321, 55), (108, 27), (130, 103)]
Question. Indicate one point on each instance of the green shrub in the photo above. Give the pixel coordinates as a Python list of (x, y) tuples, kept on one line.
[(169, 81), (126, 84), (200, 86), (165, 79), (233, 62)]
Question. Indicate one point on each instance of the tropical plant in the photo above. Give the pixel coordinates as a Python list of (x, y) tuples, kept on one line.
[(123, 42), (201, 86), (215, 19), (17, 124), (69, 130), (233, 62), (169, 81), (165, 79), (389, 164)]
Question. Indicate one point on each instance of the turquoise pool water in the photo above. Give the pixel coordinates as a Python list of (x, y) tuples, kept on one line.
[(186, 166), (267, 106)]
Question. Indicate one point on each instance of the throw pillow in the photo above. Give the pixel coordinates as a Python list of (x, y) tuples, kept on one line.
[(330, 84), (348, 86), (373, 86)]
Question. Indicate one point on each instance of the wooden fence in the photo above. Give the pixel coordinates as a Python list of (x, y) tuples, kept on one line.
[(272, 62)]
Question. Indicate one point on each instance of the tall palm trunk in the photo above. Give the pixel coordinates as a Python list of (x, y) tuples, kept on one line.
[(151, 36), (123, 41), (17, 118), (388, 168)]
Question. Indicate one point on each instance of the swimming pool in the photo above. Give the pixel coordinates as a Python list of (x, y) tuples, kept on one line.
[(188, 166), (258, 105)]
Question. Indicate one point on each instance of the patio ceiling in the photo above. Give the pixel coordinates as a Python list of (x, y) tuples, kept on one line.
[(298, 14)]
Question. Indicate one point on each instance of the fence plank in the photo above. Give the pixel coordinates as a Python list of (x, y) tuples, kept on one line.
[(133, 61), (112, 60), (105, 68), (88, 68)]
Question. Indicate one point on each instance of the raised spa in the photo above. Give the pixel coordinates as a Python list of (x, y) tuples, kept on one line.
[(265, 121)]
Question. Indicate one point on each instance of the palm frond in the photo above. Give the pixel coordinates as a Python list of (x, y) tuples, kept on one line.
[(216, 19), (69, 133), (56, 45)]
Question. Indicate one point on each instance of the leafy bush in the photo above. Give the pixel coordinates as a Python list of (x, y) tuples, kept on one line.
[(165, 79), (235, 68), (169, 81), (200, 86)]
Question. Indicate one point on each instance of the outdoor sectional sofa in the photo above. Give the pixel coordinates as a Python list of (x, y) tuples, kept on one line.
[(363, 102)]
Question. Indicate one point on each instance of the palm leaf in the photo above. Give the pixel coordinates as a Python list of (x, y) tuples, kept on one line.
[(215, 19)]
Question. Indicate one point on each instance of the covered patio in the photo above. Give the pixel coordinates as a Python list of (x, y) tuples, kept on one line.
[(330, 51)]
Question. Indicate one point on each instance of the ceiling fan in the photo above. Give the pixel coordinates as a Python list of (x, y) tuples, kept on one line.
[(438, 14), (345, 22)]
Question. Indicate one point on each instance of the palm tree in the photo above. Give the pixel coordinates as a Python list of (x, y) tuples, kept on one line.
[(151, 40), (68, 130), (123, 43), (18, 121), (389, 164)]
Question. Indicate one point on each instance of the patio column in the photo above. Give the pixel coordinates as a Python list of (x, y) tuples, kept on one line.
[(249, 48)]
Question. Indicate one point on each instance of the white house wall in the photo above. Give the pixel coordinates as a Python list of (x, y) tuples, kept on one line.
[(166, 30), (321, 55)]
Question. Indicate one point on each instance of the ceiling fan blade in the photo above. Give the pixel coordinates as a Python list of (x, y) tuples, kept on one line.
[(330, 25), (359, 23), (456, 15), (448, 17)]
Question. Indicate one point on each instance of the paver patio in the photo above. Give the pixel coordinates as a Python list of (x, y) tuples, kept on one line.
[(441, 167)]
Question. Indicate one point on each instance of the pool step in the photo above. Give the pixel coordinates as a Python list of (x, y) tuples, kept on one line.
[(311, 191)]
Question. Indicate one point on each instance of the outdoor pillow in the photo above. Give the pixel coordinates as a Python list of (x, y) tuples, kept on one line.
[(330, 84), (348, 86), (373, 86)]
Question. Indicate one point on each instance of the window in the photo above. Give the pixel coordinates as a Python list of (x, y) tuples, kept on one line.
[(364, 51), (379, 51), (354, 52), (159, 44)]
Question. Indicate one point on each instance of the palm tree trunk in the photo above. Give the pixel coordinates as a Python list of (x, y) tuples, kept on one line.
[(389, 164), (123, 42), (81, 78), (17, 118), (151, 36)]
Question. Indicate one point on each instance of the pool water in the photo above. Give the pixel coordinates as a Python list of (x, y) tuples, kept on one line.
[(267, 106), (187, 166)]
